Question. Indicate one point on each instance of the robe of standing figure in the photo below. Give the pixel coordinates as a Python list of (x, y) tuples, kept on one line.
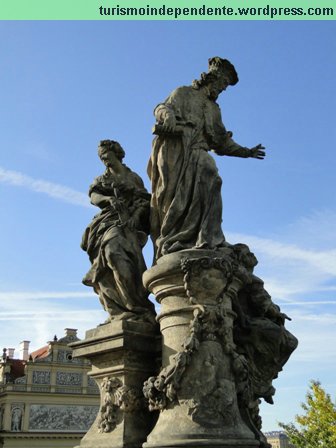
[(186, 206)]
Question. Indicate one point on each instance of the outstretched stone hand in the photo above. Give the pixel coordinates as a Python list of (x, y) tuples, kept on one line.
[(257, 152)]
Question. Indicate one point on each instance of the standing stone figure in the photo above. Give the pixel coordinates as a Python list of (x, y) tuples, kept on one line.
[(16, 419), (115, 238), (223, 339), (186, 207)]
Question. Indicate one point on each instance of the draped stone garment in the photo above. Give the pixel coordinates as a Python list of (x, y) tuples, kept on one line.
[(186, 205), (115, 250), (261, 337)]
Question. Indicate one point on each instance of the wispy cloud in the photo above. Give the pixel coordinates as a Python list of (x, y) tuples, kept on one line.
[(321, 260), (38, 295), (317, 230), (308, 302), (49, 316), (55, 191), (291, 271)]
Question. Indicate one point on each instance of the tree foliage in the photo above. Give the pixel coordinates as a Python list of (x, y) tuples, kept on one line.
[(317, 426)]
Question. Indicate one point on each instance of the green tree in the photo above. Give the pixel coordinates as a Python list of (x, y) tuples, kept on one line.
[(317, 427)]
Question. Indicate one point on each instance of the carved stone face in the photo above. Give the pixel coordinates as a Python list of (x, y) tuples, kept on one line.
[(249, 260), (218, 86), (109, 158)]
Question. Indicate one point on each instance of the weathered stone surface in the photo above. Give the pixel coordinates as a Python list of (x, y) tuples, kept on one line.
[(123, 355), (196, 390), (186, 205), (209, 387), (223, 339), (115, 238)]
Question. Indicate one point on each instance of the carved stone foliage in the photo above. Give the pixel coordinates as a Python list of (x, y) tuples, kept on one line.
[(60, 418), (17, 416), (41, 377), (197, 376), (69, 379), (116, 399)]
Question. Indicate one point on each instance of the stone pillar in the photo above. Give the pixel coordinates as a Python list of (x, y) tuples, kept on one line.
[(122, 354), (196, 390)]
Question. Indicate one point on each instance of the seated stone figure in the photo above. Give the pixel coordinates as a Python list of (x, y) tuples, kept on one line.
[(115, 238), (259, 332)]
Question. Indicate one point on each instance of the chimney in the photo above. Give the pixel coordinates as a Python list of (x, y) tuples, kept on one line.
[(10, 353), (71, 332), (24, 350)]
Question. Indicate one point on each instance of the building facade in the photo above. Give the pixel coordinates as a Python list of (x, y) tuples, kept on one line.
[(46, 397), (278, 439)]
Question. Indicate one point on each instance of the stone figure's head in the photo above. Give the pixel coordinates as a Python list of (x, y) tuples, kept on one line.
[(221, 74), (245, 256), (110, 152)]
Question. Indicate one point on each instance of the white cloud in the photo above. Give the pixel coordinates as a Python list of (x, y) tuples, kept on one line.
[(52, 190), (310, 303), (37, 295), (316, 230), (48, 316), (324, 261), (38, 315), (39, 151), (291, 272)]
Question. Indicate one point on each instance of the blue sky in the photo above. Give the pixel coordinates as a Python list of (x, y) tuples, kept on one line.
[(67, 85)]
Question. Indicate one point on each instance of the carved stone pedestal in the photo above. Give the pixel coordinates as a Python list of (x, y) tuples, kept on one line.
[(197, 387), (123, 356)]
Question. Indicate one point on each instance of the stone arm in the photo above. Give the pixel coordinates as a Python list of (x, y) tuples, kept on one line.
[(165, 116), (140, 204), (102, 200), (220, 140), (99, 200), (263, 303), (130, 199), (139, 211), (228, 147)]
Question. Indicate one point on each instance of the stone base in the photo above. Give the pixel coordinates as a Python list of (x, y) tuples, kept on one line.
[(193, 443), (196, 390), (175, 429), (123, 355)]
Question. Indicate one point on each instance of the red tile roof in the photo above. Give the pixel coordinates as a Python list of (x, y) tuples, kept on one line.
[(40, 353), (17, 367)]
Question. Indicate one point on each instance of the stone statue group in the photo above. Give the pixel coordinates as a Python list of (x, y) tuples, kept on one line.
[(234, 340)]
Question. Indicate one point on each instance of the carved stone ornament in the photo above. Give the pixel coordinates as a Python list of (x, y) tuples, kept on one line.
[(209, 337), (41, 377), (60, 418), (117, 398), (69, 378)]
